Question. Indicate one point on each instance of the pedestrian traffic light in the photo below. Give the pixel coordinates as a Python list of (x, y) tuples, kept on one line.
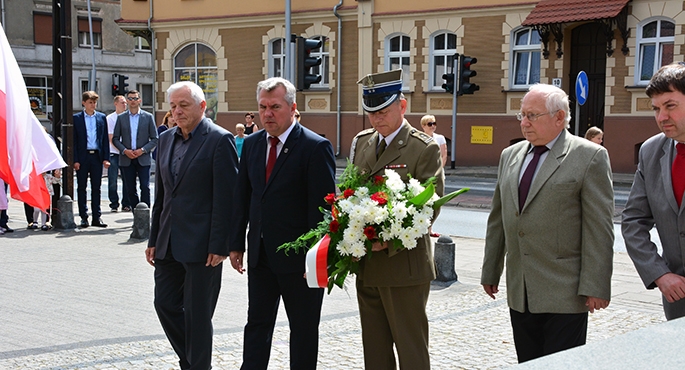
[(449, 82), (123, 86), (465, 86), (304, 62), (115, 84)]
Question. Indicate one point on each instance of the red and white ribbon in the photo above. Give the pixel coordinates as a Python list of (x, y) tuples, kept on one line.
[(316, 265)]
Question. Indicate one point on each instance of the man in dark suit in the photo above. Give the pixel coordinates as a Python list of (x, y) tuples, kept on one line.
[(286, 170), (91, 152), (196, 175), (393, 285), (656, 198), (551, 219), (135, 135)]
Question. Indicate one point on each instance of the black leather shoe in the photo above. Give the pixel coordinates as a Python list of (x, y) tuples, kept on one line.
[(98, 222), (84, 223), (7, 229)]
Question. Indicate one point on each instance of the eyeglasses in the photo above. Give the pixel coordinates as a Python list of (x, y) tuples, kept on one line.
[(297, 116), (132, 99), (530, 116), (431, 124)]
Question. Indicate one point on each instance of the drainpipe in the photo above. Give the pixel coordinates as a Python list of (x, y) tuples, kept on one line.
[(338, 71), (152, 58), (3, 13)]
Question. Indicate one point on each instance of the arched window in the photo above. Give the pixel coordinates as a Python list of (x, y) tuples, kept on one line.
[(397, 56), (197, 63), (323, 53), (443, 48), (525, 51), (277, 58), (655, 42)]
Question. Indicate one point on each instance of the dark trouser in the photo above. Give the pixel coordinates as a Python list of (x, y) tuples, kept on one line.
[(394, 316), (303, 306), (92, 168), (541, 334), (185, 299), (112, 183), (28, 212), (130, 173)]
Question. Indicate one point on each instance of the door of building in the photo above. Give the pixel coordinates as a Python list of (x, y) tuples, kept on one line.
[(588, 53)]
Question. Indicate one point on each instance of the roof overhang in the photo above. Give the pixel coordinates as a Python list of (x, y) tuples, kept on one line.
[(549, 16)]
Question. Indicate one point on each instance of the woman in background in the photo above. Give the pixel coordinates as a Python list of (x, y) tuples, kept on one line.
[(595, 134)]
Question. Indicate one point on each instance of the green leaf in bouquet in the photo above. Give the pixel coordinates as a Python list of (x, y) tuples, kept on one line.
[(423, 197), (441, 202)]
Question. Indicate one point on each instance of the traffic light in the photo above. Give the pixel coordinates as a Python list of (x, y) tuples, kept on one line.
[(465, 86), (115, 84), (449, 82), (304, 63), (123, 86)]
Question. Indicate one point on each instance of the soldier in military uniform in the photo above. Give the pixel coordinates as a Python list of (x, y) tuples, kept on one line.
[(393, 285)]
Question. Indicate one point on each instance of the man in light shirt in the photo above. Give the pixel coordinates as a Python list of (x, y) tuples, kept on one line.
[(113, 170)]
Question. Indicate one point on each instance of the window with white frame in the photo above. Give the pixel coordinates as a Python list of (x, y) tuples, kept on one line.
[(525, 51), (197, 63), (323, 53), (444, 46), (655, 41), (277, 58), (142, 44), (397, 56), (84, 32)]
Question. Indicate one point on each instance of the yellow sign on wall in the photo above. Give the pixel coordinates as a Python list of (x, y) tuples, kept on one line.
[(481, 134)]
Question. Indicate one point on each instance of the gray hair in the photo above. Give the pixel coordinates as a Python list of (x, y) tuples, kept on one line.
[(272, 83), (556, 99), (195, 91)]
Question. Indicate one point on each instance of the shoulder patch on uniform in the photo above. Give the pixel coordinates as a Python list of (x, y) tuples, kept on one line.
[(365, 132), (421, 136)]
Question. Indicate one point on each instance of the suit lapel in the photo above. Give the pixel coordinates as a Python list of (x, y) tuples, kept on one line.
[(283, 156), (666, 163), (549, 166), (195, 144), (368, 156), (392, 151)]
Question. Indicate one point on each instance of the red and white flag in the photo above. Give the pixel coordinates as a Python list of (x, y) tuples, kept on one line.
[(316, 264), (26, 150)]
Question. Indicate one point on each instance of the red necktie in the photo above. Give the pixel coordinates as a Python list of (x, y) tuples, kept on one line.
[(678, 173), (527, 179), (273, 154)]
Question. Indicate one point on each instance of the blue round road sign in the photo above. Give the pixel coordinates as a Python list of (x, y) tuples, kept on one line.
[(581, 88)]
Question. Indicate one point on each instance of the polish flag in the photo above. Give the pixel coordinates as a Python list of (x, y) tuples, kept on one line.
[(26, 150)]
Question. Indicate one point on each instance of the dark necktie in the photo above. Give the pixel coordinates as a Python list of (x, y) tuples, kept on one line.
[(381, 148), (678, 173), (527, 178), (272, 156)]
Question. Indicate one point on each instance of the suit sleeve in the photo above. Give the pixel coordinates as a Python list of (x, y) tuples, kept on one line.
[(597, 205), (495, 243), (156, 208), (104, 140), (116, 137), (636, 224), (152, 135), (225, 171), (77, 154), (241, 202), (320, 181)]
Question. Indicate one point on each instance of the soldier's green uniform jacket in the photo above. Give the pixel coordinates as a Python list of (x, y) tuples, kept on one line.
[(410, 152)]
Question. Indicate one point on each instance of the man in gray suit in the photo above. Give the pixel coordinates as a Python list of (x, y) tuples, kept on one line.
[(652, 198), (197, 167), (135, 135), (551, 219)]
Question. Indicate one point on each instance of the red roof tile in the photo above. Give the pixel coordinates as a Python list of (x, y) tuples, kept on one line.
[(564, 11)]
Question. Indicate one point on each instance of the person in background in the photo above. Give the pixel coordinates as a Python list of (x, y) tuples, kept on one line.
[(595, 134), (239, 137), (552, 221), (4, 228), (113, 170), (50, 178), (250, 126), (429, 125), (297, 116), (91, 152), (656, 197), (167, 123)]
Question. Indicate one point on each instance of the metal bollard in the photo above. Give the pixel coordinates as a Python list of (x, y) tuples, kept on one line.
[(62, 217), (445, 254), (141, 222)]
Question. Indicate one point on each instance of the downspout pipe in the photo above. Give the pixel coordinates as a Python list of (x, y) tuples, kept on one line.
[(152, 57), (338, 82)]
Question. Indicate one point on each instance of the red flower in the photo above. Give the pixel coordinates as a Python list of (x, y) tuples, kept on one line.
[(334, 226), (377, 180), (370, 232), (330, 198), (380, 197), (348, 193)]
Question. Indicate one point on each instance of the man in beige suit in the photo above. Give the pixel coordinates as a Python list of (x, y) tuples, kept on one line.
[(557, 235), (393, 285)]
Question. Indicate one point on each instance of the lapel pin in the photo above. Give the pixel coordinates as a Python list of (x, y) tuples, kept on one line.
[(285, 150)]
